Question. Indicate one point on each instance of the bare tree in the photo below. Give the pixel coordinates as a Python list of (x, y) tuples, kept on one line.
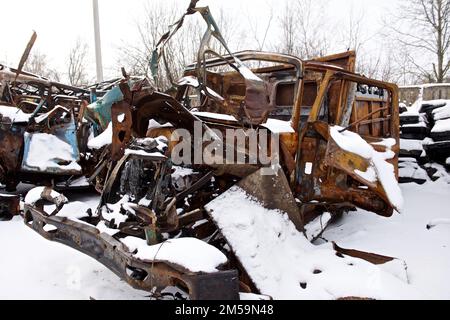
[(379, 61), (289, 24), (404, 64), (183, 47), (313, 28), (353, 34), (135, 57), (77, 64), (423, 29), (259, 31), (304, 29), (38, 64)]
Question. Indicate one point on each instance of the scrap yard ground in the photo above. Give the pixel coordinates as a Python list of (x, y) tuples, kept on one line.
[(250, 175), (39, 269)]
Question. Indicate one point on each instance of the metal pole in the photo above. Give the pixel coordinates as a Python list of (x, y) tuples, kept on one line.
[(98, 44)]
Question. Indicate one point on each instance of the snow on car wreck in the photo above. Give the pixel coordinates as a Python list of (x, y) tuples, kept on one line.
[(200, 189)]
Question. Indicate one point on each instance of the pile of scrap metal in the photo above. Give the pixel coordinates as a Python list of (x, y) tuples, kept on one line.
[(154, 226)]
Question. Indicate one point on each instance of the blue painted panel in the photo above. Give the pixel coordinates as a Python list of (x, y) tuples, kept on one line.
[(66, 133)]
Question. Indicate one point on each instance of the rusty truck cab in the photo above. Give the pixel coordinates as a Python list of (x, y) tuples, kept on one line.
[(313, 95)]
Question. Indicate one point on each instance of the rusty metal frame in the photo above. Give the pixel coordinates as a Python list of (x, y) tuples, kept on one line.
[(247, 55), (339, 73), (375, 200), (222, 285)]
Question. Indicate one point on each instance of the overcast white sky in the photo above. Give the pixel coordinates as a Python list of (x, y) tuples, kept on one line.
[(60, 22)]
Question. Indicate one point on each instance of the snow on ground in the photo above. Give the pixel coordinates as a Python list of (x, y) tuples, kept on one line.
[(34, 268), (35, 194), (409, 168), (285, 265), (420, 236), (405, 236)]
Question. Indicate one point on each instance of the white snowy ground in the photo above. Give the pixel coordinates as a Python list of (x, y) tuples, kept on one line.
[(34, 268), (405, 236)]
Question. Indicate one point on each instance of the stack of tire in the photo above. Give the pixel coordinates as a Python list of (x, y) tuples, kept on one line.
[(414, 130), (438, 148), (425, 141)]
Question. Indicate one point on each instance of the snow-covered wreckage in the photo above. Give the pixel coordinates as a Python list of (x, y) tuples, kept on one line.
[(312, 140)]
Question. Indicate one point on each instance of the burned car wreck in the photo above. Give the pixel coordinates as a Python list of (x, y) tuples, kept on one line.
[(312, 140)]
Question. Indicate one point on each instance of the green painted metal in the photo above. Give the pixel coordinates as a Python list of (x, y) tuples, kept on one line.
[(100, 110)]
